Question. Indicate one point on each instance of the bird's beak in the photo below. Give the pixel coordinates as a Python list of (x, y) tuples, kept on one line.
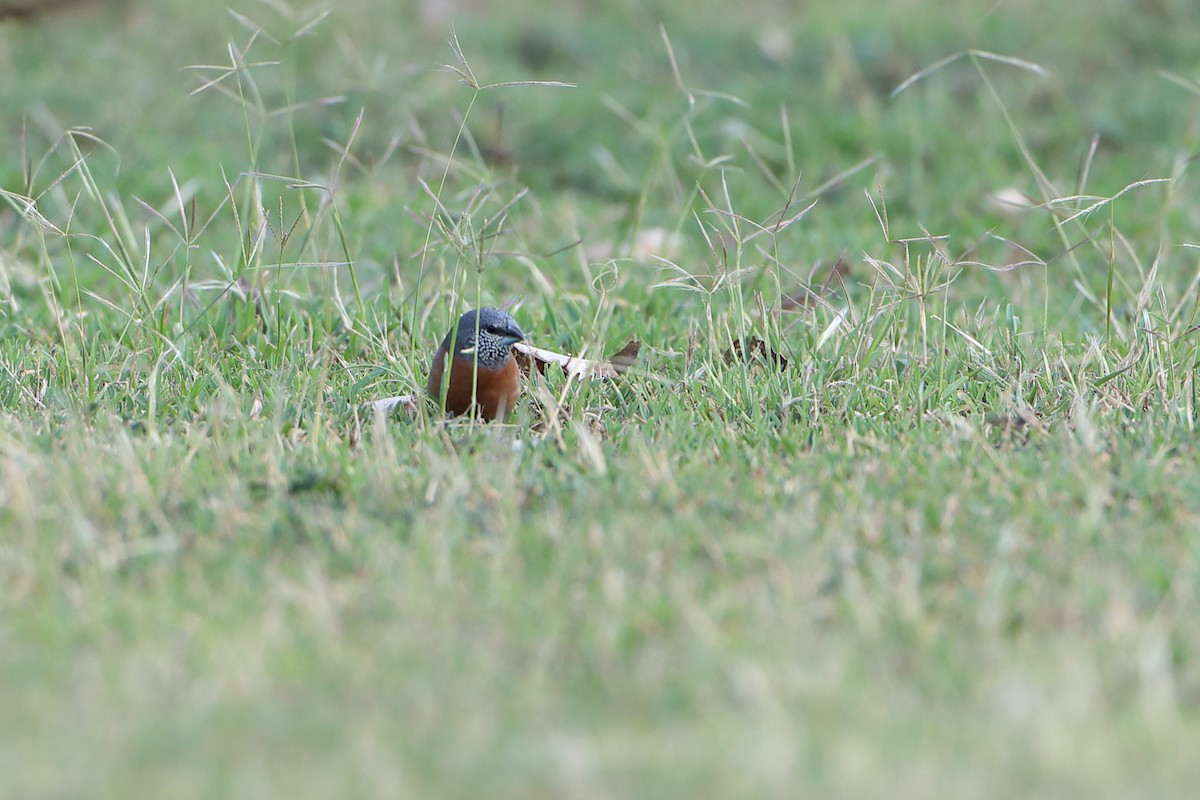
[(512, 335)]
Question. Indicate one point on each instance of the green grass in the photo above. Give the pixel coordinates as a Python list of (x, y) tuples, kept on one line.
[(950, 549)]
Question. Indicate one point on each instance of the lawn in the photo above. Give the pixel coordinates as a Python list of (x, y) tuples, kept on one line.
[(899, 498)]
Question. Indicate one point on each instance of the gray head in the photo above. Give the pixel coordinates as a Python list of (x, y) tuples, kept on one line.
[(497, 333)]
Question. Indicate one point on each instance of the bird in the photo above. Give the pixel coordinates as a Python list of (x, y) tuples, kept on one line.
[(479, 345)]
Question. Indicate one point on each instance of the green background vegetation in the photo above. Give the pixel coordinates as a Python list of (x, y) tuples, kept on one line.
[(947, 548)]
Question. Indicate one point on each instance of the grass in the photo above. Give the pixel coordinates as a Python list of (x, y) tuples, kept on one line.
[(946, 547)]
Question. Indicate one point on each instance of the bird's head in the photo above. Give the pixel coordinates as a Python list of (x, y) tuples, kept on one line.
[(487, 335)]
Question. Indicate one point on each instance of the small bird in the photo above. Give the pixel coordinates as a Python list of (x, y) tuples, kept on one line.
[(479, 345)]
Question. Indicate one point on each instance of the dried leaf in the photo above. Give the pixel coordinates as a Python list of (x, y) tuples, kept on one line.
[(755, 350), (623, 359), (409, 403), (529, 357)]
